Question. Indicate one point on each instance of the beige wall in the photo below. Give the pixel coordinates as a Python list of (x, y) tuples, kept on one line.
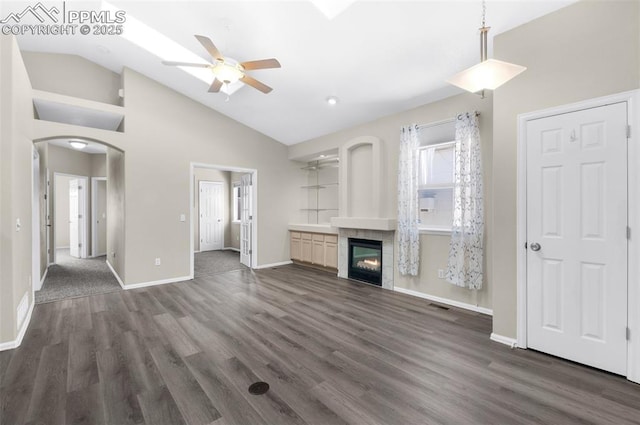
[(434, 248), (585, 50), (207, 174), (72, 75), (98, 165), (16, 112), (116, 210), (167, 132)]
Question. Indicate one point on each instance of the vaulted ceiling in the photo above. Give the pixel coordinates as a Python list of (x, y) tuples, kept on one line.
[(376, 57)]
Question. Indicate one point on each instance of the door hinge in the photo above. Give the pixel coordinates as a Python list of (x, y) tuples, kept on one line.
[(526, 245), (250, 251), (79, 245), (79, 215), (628, 132), (79, 187), (628, 233), (628, 334)]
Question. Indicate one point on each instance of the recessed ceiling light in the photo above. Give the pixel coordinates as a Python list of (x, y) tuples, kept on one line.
[(78, 144), (332, 100), (323, 156)]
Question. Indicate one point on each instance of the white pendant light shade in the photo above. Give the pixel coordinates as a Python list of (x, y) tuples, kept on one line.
[(487, 75)]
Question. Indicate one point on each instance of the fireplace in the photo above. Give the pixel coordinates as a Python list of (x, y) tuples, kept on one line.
[(365, 261)]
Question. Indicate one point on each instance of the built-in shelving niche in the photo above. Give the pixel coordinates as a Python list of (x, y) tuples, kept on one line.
[(63, 109), (321, 193)]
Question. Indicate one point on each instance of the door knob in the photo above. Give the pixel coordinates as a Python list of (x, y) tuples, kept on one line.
[(535, 246)]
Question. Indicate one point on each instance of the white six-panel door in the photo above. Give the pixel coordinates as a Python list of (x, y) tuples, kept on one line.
[(211, 215), (577, 236)]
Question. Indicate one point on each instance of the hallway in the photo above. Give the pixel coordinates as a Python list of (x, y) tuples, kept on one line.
[(72, 277)]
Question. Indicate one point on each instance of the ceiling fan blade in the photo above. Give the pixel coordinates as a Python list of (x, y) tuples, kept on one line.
[(256, 84), (197, 65), (215, 86), (261, 64), (210, 47)]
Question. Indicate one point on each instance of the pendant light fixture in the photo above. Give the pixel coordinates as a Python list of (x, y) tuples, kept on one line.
[(489, 74)]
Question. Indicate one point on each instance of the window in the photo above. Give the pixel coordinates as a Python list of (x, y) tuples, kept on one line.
[(237, 203), (435, 176)]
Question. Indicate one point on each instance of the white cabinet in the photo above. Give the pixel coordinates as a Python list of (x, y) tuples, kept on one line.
[(314, 248)]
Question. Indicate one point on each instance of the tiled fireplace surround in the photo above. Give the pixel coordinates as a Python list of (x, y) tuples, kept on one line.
[(375, 235)]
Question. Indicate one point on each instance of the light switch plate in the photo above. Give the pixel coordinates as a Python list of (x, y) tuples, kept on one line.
[(183, 217)]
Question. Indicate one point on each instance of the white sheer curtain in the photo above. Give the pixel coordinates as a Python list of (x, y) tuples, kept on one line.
[(408, 235), (466, 249)]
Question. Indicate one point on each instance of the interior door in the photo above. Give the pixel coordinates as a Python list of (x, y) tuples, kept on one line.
[(76, 217), (246, 218), (211, 216), (577, 236)]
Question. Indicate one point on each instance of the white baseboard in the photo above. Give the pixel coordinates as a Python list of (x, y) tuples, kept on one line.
[(146, 284), (230, 248), (157, 282), (266, 266), (44, 276), (446, 301), (63, 247), (511, 342), (10, 345), (115, 274)]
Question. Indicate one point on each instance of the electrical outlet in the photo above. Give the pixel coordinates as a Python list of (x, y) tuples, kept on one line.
[(157, 261), (183, 217), (440, 273)]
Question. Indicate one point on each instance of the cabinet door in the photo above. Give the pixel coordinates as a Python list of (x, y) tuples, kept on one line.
[(318, 253), (331, 255), (296, 247), (306, 250)]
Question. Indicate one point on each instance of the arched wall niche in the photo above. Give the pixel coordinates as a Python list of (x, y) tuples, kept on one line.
[(361, 175)]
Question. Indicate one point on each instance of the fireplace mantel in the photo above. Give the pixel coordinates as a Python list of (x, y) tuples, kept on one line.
[(366, 223)]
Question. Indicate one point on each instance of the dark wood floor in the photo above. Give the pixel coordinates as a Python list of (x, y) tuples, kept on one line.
[(333, 351)]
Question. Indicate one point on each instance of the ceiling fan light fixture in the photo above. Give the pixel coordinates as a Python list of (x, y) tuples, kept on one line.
[(227, 72), (489, 74), (78, 144)]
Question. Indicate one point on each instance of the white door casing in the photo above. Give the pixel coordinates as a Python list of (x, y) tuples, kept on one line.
[(35, 222), (211, 204), (576, 230), (78, 217), (98, 216), (246, 216)]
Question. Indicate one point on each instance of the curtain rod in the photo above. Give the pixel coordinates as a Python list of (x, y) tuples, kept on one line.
[(441, 122)]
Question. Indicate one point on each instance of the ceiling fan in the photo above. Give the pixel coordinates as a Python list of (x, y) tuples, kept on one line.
[(228, 71)]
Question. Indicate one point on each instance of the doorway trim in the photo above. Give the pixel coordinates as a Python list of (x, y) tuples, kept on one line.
[(36, 248), (632, 98), (84, 251), (94, 206), (254, 221)]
